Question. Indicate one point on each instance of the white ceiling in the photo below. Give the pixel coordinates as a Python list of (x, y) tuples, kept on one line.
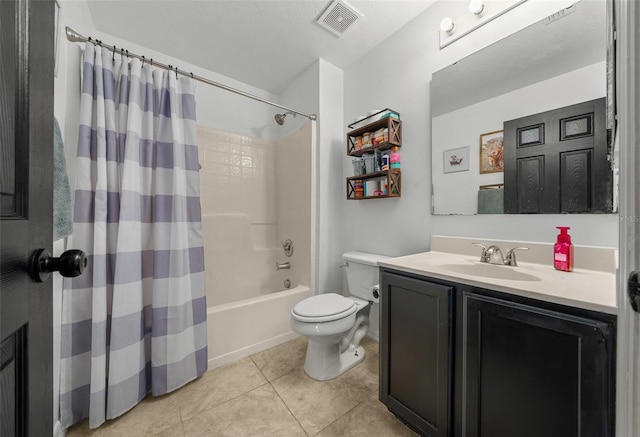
[(264, 43)]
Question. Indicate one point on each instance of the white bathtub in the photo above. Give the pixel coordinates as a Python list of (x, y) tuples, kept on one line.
[(239, 329)]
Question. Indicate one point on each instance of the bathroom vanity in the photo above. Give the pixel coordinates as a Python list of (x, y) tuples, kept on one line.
[(466, 352)]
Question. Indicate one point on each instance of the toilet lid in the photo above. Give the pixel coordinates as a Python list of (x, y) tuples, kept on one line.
[(323, 308)]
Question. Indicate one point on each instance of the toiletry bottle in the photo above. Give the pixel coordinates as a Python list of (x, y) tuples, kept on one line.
[(385, 162), (358, 188), (394, 158), (563, 251), (384, 187)]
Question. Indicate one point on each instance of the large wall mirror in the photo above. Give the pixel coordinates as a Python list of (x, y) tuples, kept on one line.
[(554, 64)]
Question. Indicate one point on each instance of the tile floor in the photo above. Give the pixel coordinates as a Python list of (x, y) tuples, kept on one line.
[(266, 394)]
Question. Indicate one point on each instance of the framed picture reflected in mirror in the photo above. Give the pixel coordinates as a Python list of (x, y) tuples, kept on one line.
[(456, 160), (492, 152)]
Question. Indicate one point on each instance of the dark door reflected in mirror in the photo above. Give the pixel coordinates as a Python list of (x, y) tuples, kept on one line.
[(556, 162)]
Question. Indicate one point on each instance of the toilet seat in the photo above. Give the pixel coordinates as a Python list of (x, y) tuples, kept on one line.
[(324, 308)]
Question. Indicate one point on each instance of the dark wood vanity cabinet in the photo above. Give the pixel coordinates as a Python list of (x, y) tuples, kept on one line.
[(533, 372), (416, 352), (512, 366)]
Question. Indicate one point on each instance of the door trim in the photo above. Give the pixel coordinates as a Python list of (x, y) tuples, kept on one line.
[(627, 22)]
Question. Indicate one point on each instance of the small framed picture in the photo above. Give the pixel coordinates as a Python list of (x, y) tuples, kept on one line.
[(492, 152), (456, 160)]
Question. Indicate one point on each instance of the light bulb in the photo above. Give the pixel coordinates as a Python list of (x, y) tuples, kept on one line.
[(476, 7), (447, 25)]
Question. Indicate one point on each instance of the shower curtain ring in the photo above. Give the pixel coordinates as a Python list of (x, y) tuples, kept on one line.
[(113, 53), (143, 61), (176, 72), (151, 62)]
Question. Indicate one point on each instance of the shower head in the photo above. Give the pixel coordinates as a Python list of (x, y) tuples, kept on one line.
[(280, 117)]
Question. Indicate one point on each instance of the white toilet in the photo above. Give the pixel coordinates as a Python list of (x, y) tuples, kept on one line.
[(335, 324)]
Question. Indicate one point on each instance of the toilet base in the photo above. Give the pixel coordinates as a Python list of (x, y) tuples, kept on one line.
[(325, 361)]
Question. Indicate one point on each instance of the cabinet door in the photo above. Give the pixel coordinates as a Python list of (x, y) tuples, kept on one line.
[(530, 372), (415, 352)]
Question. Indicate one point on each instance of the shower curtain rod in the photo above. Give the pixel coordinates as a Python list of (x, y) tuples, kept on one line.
[(74, 36)]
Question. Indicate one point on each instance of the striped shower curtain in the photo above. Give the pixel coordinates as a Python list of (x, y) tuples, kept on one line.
[(135, 322)]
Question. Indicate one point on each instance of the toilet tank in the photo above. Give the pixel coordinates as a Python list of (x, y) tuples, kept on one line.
[(362, 272)]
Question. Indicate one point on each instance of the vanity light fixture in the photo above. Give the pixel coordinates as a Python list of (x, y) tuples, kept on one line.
[(481, 12), (447, 25), (476, 7)]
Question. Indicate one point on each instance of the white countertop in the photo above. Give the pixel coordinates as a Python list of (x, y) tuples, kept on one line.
[(587, 289)]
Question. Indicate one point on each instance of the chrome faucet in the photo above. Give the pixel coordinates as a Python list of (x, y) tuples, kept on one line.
[(493, 255), (281, 266), (510, 260), (484, 257)]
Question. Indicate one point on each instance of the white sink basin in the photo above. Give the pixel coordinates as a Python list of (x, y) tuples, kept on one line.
[(491, 271)]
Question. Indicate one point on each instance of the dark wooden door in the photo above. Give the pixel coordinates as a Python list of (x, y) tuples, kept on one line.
[(532, 372), (557, 161), (26, 133), (415, 352)]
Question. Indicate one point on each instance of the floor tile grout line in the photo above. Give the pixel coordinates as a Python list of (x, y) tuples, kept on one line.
[(338, 418), (277, 394), (287, 406), (223, 403), (181, 420), (231, 399)]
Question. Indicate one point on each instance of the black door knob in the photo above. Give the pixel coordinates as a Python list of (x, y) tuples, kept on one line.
[(70, 264)]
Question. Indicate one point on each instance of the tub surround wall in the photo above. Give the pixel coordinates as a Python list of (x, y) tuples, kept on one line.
[(237, 189), (293, 202), (255, 194)]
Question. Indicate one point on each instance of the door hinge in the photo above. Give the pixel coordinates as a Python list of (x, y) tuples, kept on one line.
[(633, 289)]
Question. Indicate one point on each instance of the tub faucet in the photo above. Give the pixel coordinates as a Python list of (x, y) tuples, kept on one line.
[(281, 266)]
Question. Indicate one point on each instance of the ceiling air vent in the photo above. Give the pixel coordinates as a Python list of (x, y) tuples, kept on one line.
[(338, 17)]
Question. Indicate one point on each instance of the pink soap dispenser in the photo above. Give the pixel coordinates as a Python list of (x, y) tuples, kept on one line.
[(563, 251)]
